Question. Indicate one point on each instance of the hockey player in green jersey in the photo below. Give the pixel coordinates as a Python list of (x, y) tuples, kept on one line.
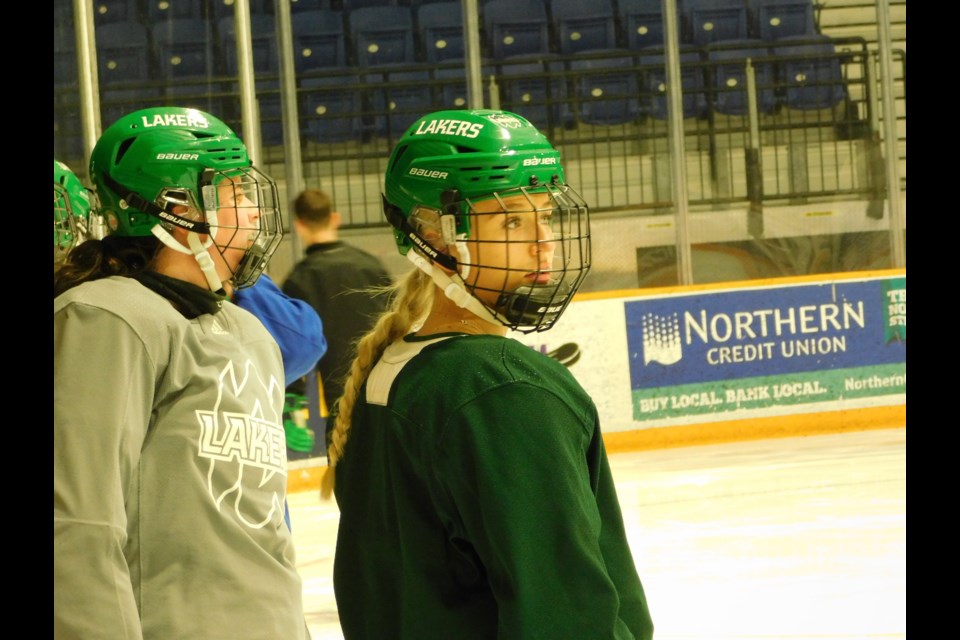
[(169, 453), (475, 496)]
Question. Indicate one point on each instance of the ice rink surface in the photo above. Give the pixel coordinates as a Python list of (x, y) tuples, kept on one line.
[(800, 538)]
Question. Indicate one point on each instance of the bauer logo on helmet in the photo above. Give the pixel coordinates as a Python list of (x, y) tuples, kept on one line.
[(426, 173), (536, 162), (178, 156)]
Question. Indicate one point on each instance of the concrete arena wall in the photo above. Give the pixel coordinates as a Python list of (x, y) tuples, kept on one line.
[(750, 360)]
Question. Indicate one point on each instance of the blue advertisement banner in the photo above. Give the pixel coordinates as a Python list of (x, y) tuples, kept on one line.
[(718, 351)]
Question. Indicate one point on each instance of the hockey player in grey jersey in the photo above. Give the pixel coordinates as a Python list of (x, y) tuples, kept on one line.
[(169, 451)]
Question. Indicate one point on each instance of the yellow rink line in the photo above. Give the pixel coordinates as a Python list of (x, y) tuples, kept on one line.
[(304, 475), (807, 424)]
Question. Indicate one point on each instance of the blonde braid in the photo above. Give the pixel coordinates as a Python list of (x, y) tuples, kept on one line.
[(410, 302)]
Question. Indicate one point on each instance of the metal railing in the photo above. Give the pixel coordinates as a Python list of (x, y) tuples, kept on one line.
[(747, 143)]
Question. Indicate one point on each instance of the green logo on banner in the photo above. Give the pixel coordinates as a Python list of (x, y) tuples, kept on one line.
[(895, 309)]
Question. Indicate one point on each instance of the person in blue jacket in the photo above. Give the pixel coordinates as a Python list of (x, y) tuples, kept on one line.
[(294, 324)]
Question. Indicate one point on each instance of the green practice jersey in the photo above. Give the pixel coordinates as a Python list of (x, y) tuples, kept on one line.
[(477, 502)]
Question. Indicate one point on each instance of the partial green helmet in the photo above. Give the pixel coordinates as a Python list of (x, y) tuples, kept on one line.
[(71, 209), (447, 163), (150, 164)]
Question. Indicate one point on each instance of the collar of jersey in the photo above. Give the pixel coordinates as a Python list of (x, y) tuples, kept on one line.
[(394, 358)]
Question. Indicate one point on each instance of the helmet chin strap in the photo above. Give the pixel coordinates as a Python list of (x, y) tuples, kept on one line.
[(205, 261), (199, 251), (455, 289)]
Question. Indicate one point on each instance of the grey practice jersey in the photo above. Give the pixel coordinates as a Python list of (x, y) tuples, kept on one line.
[(169, 472)]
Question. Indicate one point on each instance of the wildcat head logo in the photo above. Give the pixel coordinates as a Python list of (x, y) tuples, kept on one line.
[(246, 448)]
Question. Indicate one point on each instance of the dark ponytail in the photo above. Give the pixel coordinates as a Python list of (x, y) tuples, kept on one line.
[(96, 259)]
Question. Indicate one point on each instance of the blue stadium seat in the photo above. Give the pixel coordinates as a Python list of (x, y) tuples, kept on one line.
[(516, 28), (535, 89), (397, 99), (266, 69), (64, 56), (302, 6), (775, 19), (351, 5), (607, 90), (160, 10), (270, 108), (441, 30), (183, 49), (382, 35), (384, 50), (641, 22), (263, 42), (716, 20), (728, 70), (217, 10), (123, 52), (654, 78), (583, 26), (124, 68), (109, 11), (331, 108), (450, 86), (811, 72), (319, 41)]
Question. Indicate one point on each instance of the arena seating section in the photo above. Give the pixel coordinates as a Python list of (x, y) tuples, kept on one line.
[(581, 71), (405, 54)]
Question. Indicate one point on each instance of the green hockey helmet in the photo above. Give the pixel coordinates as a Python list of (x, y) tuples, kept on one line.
[(446, 165), (450, 156), (165, 167), (71, 209)]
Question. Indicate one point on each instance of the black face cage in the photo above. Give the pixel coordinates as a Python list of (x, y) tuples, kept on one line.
[(255, 197), (538, 305)]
